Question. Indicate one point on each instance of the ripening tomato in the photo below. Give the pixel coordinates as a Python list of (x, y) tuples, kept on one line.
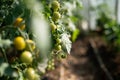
[(30, 44), (26, 57), (18, 21), (19, 43), (55, 5), (22, 27), (30, 73)]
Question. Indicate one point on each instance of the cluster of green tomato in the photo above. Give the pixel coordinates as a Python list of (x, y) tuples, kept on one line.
[(55, 6), (57, 52)]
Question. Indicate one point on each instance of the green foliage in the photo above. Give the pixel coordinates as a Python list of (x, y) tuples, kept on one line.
[(75, 34), (109, 26), (7, 70)]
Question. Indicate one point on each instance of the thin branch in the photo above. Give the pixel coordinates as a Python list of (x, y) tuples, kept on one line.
[(100, 61), (4, 54)]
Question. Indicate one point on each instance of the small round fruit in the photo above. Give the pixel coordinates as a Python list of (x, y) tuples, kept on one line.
[(18, 21), (58, 47), (22, 27), (49, 67), (53, 26), (56, 16), (30, 44), (58, 40), (30, 74), (37, 77), (55, 5), (26, 57), (19, 43)]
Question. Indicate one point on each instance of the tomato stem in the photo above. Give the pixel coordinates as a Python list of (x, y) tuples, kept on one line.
[(4, 54)]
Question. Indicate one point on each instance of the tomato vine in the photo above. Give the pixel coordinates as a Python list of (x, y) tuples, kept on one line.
[(33, 34)]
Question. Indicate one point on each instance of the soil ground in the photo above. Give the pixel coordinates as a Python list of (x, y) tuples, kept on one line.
[(83, 64)]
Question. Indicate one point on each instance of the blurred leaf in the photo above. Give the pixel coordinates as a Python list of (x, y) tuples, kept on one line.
[(3, 67), (20, 75), (11, 72), (79, 4), (75, 34), (73, 18), (66, 43), (5, 43), (6, 70)]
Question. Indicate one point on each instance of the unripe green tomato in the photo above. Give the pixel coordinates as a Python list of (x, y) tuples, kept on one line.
[(30, 74), (49, 62), (49, 67), (58, 47), (26, 57), (55, 5), (53, 26), (56, 16), (37, 77), (58, 40), (52, 64), (53, 68)]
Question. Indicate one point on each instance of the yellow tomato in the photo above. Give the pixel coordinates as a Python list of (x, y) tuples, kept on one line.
[(19, 43), (22, 27), (18, 21)]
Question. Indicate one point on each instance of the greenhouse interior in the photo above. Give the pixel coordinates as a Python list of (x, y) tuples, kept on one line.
[(59, 39)]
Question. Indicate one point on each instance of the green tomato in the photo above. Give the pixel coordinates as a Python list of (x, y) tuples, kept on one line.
[(53, 26), (26, 57), (30, 74), (56, 16), (58, 47), (37, 77), (58, 40), (55, 5)]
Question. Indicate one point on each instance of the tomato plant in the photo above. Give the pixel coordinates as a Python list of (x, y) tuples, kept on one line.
[(33, 34), (109, 27)]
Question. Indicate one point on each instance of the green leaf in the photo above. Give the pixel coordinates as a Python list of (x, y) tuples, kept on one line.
[(3, 66), (20, 75), (66, 43), (75, 34), (5, 43), (7, 70)]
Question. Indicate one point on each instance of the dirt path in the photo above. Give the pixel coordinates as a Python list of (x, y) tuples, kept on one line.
[(81, 64)]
